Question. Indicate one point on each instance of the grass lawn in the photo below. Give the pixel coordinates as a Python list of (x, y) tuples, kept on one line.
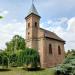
[(19, 71)]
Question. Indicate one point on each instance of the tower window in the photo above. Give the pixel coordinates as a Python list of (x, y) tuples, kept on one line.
[(59, 50), (28, 25), (28, 35), (50, 49), (35, 24)]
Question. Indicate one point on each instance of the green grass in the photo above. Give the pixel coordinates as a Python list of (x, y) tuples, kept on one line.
[(19, 71)]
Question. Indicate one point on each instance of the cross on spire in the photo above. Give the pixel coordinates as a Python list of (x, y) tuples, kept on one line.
[(32, 1)]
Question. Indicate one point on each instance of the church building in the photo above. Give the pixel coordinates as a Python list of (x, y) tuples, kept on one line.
[(47, 43)]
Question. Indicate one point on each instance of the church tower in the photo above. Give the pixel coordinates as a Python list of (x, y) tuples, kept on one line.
[(32, 27)]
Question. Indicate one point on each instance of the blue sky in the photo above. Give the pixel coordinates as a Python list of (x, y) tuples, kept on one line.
[(56, 15)]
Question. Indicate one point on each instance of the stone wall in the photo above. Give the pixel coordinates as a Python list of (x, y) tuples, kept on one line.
[(54, 58)]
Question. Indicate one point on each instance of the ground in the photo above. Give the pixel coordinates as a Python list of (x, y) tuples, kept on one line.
[(19, 71)]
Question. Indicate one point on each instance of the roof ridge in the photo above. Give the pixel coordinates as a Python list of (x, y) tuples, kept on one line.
[(46, 30), (52, 35)]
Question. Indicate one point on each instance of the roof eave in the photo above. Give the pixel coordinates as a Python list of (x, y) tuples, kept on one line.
[(33, 14), (55, 39)]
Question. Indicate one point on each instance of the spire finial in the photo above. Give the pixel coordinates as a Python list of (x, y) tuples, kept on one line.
[(32, 1)]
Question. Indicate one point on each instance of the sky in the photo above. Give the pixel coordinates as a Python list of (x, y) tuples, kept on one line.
[(57, 16)]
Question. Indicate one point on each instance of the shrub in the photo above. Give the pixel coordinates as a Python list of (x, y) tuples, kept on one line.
[(13, 60), (31, 58), (68, 67)]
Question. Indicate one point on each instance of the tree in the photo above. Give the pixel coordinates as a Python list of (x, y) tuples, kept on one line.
[(4, 60), (69, 52), (20, 58), (0, 59), (17, 43), (31, 58), (13, 48), (68, 67), (1, 17), (13, 60)]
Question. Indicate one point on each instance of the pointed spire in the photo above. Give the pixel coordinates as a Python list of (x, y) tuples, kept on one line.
[(33, 10), (32, 1)]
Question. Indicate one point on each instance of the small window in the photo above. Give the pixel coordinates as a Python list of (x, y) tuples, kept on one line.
[(28, 25), (35, 24), (50, 49), (59, 50), (28, 35)]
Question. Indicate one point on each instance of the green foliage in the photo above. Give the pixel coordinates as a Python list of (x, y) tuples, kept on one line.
[(20, 59), (70, 52), (4, 60), (0, 60), (31, 58), (1, 17), (16, 43), (28, 57), (68, 67), (16, 54), (13, 60)]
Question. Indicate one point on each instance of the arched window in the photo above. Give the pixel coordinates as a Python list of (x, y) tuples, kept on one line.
[(28, 35), (50, 49), (35, 24), (59, 50), (28, 25)]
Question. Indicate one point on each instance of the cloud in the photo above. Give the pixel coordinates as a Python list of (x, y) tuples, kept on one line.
[(4, 12), (59, 23), (8, 30), (71, 24), (56, 16), (63, 27), (69, 33)]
